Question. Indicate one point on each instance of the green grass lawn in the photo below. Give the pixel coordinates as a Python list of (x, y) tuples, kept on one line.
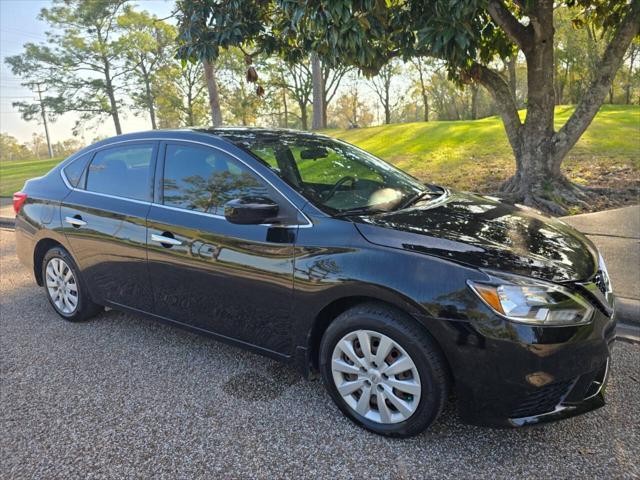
[(14, 174), (475, 155), (468, 155)]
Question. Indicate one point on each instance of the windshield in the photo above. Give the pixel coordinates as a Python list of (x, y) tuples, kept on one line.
[(335, 176)]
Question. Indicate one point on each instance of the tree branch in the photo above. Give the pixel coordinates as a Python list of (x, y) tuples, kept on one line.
[(592, 99), (517, 32), (499, 89)]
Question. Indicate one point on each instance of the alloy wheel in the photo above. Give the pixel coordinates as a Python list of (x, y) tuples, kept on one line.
[(376, 377), (62, 286)]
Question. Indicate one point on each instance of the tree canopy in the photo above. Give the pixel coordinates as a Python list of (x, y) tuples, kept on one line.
[(472, 37)]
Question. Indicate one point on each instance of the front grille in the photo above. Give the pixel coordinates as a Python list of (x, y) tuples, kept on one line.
[(543, 400)]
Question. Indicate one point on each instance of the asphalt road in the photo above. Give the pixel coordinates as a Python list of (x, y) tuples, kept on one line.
[(122, 396)]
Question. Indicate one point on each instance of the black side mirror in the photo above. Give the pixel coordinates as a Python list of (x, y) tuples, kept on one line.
[(250, 210)]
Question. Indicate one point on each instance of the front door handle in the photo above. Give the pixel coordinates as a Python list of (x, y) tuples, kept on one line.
[(165, 240), (75, 221)]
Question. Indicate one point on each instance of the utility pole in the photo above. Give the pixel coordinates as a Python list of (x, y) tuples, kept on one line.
[(44, 118)]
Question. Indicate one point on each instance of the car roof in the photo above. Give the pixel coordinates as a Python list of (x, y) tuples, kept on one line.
[(239, 135)]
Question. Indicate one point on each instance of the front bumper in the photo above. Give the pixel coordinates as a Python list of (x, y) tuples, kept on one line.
[(512, 375), (582, 396)]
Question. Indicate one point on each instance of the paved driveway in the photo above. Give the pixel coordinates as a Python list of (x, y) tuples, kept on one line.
[(122, 396)]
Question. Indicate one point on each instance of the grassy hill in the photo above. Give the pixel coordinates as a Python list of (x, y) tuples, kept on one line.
[(468, 155), (13, 174), (475, 155)]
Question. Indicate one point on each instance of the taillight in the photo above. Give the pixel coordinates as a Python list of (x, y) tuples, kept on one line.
[(18, 200)]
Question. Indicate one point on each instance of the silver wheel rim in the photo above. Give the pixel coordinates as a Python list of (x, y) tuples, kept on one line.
[(62, 286), (376, 377)]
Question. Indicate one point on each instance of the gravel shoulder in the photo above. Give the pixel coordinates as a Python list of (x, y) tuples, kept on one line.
[(123, 396)]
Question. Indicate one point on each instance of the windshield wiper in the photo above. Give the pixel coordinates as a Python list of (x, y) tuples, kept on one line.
[(358, 211), (419, 196), (413, 199)]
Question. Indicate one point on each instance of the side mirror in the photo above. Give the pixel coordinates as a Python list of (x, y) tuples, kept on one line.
[(250, 210)]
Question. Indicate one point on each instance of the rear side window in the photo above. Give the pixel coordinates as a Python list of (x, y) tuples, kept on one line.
[(75, 170), (204, 179), (122, 171)]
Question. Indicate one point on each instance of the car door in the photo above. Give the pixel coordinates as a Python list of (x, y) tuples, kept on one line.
[(104, 220), (233, 280)]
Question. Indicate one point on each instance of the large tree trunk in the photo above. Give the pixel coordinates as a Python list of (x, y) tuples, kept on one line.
[(304, 115), (536, 171), (316, 76), (214, 96), (538, 149)]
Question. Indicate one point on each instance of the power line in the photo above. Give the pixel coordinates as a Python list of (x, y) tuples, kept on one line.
[(16, 31)]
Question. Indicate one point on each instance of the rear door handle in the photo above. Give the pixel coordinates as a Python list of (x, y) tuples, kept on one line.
[(75, 221), (165, 240)]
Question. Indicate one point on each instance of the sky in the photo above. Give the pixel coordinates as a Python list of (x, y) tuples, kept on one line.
[(19, 24)]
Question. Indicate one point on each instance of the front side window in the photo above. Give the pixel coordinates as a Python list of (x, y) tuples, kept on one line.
[(335, 176), (204, 179), (121, 171)]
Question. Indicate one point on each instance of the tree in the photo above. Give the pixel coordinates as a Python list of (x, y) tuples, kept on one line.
[(37, 110), (297, 80), (182, 102), (214, 94), (146, 44), (67, 147), (421, 67), (470, 36), (632, 57), (332, 75), (12, 149), (317, 85), (349, 110), (83, 58), (240, 103), (381, 86), (37, 145)]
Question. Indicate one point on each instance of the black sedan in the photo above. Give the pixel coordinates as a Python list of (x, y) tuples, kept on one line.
[(316, 253)]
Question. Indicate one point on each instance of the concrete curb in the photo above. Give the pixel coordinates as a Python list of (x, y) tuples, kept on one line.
[(628, 332), (628, 311), (7, 222)]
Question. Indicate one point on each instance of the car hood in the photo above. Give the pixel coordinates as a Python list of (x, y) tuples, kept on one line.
[(483, 232)]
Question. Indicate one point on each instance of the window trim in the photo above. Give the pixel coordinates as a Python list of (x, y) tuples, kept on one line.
[(154, 203)]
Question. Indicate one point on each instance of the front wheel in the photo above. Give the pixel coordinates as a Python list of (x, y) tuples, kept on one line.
[(65, 290), (383, 371)]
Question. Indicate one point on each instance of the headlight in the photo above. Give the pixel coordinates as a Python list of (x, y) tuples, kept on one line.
[(533, 301), (603, 276)]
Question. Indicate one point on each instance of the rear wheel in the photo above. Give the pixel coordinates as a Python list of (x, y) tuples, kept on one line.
[(65, 291), (383, 371)]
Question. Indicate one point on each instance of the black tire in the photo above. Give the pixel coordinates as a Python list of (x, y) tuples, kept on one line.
[(85, 308), (417, 343)]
